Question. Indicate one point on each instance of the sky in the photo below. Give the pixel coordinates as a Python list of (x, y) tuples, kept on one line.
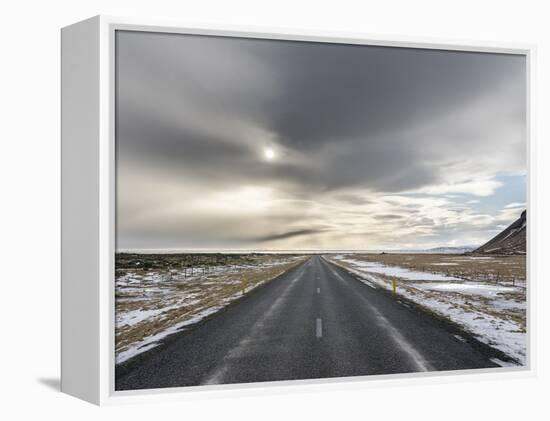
[(233, 143)]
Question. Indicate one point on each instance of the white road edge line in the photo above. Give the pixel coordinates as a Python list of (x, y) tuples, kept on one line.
[(319, 328), (398, 338), (336, 274), (406, 346)]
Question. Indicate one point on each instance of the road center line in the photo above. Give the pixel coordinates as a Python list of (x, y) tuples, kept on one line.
[(319, 328)]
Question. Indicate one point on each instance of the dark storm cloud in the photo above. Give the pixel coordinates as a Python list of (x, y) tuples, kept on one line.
[(195, 114), (288, 234), (190, 99), (388, 217), (349, 91)]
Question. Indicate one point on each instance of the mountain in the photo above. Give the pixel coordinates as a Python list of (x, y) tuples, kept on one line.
[(451, 250), (513, 240), (438, 250)]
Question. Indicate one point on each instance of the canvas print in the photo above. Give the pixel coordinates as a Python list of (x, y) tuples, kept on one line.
[(290, 210)]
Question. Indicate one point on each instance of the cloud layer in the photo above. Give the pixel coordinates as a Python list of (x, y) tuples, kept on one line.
[(371, 143)]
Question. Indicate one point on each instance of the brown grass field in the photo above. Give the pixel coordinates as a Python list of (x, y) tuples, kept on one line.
[(155, 292), (498, 269)]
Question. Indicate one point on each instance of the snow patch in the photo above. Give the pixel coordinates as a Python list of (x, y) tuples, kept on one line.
[(399, 272), (468, 288), (477, 307), (152, 341)]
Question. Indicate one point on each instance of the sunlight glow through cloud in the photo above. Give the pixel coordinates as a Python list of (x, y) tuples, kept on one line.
[(264, 144)]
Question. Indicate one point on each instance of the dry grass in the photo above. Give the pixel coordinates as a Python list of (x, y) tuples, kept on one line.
[(491, 269), (160, 293), (509, 271)]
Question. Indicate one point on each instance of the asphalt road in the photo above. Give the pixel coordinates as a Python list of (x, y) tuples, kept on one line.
[(315, 321)]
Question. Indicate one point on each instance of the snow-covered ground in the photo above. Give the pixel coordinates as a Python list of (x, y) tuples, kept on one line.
[(468, 288), (153, 340), (493, 313), (399, 272), (152, 304)]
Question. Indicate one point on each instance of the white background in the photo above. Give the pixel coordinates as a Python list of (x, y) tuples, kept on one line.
[(29, 235)]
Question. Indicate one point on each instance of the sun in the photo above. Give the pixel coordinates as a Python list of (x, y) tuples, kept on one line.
[(269, 154)]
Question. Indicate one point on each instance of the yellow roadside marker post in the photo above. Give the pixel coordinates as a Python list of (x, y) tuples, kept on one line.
[(394, 286)]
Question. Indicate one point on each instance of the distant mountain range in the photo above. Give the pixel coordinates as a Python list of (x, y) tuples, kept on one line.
[(513, 240), (451, 250), (436, 250)]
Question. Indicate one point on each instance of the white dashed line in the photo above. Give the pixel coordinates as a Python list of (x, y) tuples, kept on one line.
[(319, 328), (318, 290)]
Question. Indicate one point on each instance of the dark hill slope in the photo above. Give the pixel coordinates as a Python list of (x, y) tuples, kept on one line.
[(513, 240)]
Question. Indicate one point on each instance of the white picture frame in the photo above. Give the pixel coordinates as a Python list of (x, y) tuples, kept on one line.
[(88, 209)]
